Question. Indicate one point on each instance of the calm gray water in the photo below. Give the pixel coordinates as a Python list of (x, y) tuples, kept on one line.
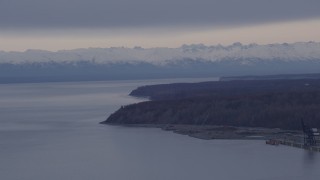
[(50, 131)]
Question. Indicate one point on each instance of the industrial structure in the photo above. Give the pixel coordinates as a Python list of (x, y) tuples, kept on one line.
[(311, 139), (311, 135)]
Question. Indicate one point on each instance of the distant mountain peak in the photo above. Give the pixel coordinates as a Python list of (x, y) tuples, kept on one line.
[(194, 60), (299, 51)]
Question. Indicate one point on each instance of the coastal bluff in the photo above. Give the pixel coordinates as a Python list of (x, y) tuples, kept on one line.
[(279, 103)]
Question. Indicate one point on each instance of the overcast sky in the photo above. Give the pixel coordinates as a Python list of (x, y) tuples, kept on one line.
[(68, 24)]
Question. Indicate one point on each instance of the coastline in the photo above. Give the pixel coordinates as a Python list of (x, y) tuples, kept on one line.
[(207, 132), (268, 107)]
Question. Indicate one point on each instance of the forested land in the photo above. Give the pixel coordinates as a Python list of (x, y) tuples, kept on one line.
[(250, 103)]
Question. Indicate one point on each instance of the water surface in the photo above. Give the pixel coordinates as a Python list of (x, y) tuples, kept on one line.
[(50, 131)]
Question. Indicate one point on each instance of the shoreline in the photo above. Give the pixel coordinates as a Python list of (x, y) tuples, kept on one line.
[(207, 132)]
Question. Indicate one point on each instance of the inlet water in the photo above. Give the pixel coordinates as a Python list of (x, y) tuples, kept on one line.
[(51, 131)]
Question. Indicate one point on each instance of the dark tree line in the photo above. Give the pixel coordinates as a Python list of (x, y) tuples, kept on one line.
[(271, 104)]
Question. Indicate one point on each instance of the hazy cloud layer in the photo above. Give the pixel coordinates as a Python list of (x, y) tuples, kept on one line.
[(132, 13)]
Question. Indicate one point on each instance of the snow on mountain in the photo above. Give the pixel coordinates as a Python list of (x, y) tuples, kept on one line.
[(160, 56)]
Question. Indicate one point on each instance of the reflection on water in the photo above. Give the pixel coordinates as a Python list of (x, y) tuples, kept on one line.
[(50, 131), (310, 157)]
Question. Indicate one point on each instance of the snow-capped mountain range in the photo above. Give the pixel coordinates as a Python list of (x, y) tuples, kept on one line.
[(195, 60), (161, 56)]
